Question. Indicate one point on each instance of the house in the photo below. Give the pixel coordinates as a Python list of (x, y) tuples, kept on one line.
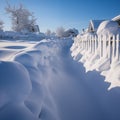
[(31, 28), (35, 29), (93, 25)]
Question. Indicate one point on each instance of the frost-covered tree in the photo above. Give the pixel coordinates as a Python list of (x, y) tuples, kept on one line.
[(22, 19), (60, 32), (71, 32), (48, 32), (1, 25)]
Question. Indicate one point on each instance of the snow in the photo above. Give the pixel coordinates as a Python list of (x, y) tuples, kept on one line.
[(113, 76), (102, 59), (108, 28), (116, 18), (16, 76), (39, 80), (13, 36), (100, 51)]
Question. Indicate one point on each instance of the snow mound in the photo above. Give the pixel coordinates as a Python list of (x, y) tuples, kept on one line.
[(113, 75), (13, 75), (39, 61)]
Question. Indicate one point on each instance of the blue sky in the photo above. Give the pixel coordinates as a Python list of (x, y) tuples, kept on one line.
[(51, 14)]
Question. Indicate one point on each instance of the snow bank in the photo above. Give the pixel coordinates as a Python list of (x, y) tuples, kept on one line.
[(25, 79), (15, 87), (11, 35), (13, 75), (100, 52), (113, 75)]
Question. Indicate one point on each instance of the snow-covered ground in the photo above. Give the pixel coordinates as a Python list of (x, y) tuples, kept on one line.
[(41, 81)]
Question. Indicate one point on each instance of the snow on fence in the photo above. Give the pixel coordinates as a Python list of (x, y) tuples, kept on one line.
[(105, 46), (101, 53)]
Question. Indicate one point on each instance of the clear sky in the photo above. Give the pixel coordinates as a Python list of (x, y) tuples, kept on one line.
[(51, 14)]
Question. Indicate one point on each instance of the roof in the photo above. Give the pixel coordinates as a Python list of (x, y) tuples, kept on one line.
[(94, 24), (116, 18)]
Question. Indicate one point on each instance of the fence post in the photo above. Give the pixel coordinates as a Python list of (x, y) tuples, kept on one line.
[(109, 48), (92, 47), (95, 43), (91, 44), (100, 43), (113, 46), (87, 43), (82, 43), (104, 46), (117, 47)]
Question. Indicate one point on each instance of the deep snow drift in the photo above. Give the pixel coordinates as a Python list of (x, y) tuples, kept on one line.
[(41, 81)]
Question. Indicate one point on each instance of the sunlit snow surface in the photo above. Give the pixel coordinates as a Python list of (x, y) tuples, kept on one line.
[(41, 81)]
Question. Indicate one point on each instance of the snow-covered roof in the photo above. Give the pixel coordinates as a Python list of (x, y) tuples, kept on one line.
[(93, 25), (116, 18), (108, 27)]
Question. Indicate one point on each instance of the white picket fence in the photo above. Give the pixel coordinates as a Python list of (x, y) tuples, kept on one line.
[(105, 46)]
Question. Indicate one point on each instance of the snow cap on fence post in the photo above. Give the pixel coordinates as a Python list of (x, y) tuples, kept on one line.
[(117, 46)]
